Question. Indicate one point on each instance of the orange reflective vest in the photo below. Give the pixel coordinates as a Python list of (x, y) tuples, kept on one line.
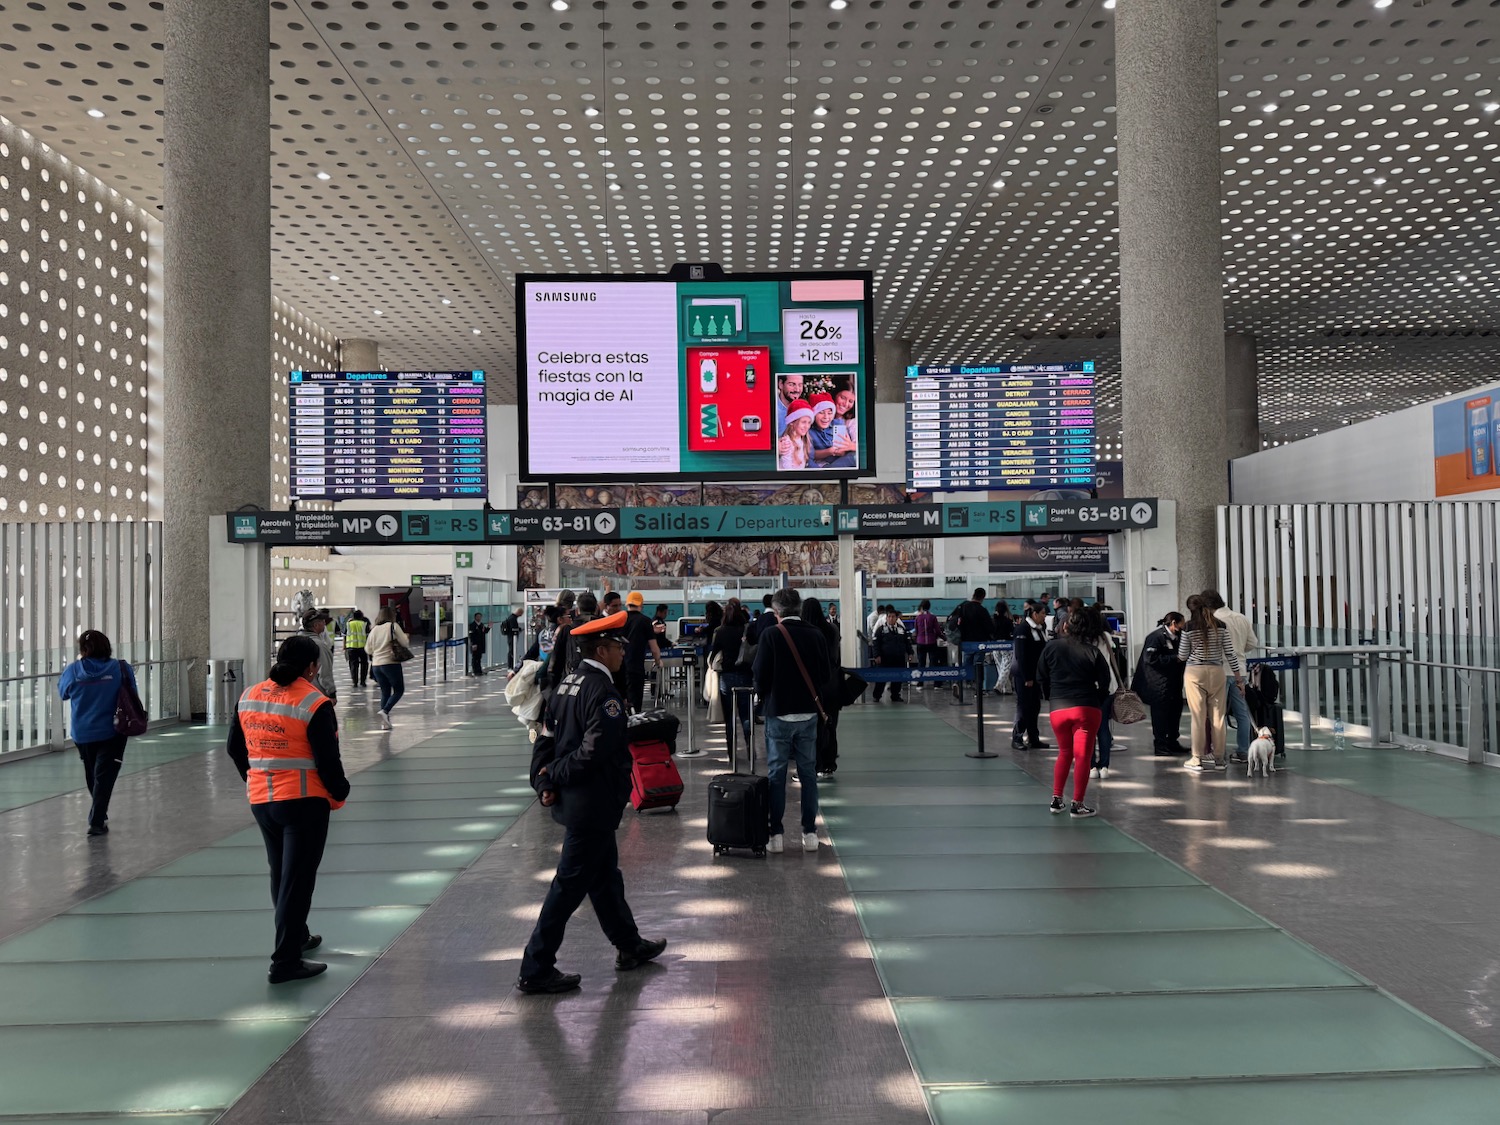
[(274, 720)]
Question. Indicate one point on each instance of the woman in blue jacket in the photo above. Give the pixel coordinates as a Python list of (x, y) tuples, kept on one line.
[(91, 684)]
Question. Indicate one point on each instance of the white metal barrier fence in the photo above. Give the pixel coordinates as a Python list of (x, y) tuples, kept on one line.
[(1421, 576)]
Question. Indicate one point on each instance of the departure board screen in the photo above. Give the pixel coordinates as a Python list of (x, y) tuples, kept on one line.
[(417, 435), (1000, 426)]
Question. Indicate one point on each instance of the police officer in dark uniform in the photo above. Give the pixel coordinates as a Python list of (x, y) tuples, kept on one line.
[(582, 772)]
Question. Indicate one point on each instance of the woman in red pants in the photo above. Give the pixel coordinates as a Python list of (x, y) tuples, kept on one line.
[(1074, 675)]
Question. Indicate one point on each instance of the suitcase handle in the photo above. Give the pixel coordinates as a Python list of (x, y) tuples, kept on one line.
[(733, 725)]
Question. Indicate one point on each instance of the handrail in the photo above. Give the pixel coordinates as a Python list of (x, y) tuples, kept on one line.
[(60, 671), (1454, 667)]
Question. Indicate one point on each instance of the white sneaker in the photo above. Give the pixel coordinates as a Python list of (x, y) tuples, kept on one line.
[(1103, 772), (776, 844), (385, 720), (1094, 772), (809, 841)]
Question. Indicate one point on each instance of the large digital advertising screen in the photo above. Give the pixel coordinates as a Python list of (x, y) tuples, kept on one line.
[(748, 377), (1000, 426), (387, 435)]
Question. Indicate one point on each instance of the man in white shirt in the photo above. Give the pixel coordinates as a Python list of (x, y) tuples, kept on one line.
[(1242, 633)]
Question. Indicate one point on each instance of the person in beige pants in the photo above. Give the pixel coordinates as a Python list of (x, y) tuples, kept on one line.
[(1207, 648)]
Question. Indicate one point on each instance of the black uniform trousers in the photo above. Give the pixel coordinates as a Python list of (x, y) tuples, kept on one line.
[(635, 688), (359, 665), (1166, 721), (589, 867), (101, 766), (1028, 708), (295, 832), (476, 661)]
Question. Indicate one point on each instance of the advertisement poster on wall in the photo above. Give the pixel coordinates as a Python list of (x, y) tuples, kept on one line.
[(1466, 444), (1058, 551), (607, 561)]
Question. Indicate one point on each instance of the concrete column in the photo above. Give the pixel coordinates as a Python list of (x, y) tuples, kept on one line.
[(1171, 299), (551, 565), (891, 360), (216, 401), (1241, 396), (850, 613), (359, 355)]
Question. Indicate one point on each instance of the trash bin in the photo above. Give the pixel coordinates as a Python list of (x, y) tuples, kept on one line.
[(226, 681)]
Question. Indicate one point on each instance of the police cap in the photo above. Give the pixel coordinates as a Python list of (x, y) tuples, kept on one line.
[(609, 628)]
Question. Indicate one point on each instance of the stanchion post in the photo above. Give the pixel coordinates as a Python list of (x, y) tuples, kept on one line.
[(425, 651), (692, 703), (979, 751)]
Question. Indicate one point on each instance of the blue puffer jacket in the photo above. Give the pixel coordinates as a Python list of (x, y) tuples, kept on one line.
[(91, 685)]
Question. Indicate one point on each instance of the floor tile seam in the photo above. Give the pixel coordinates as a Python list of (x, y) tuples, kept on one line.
[(978, 889), (1081, 933), (1153, 993), (83, 789), (1213, 1079), (1491, 1060), (330, 954), (324, 873)]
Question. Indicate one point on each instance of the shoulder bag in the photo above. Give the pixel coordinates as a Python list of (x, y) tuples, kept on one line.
[(399, 650), (801, 667), (1128, 707), (130, 715)]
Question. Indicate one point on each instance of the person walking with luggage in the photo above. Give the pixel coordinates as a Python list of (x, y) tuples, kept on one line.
[(384, 664), (726, 647), (510, 629), (478, 631), (1075, 676), (1158, 681), (929, 635), (356, 636), (582, 773), (1242, 633), (641, 636), (892, 647), (787, 658), (91, 685), (284, 741), (1207, 649), (1030, 639)]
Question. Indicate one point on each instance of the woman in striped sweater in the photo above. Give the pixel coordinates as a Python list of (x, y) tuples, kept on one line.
[(1207, 650)]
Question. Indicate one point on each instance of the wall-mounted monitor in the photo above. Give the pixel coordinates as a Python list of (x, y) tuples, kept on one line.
[(738, 377), (387, 435), (1000, 426)]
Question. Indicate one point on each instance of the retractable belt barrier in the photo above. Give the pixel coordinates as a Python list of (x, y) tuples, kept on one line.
[(958, 675)]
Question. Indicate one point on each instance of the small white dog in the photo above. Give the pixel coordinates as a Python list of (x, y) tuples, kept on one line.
[(1262, 753)]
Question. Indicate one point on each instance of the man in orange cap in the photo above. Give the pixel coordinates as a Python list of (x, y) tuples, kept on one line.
[(581, 770), (640, 635)]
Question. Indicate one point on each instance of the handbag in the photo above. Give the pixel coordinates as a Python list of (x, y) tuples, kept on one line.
[(399, 650), (711, 689), (130, 715), (852, 686), (1128, 707)]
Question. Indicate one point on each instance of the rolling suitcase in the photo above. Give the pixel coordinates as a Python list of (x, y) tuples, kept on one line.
[(739, 804), (654, 780)]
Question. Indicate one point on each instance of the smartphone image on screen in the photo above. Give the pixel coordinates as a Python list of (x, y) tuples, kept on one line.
[(1477, 411), (708, 375)]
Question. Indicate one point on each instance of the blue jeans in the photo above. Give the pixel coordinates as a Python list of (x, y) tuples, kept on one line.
[(1244, 726), (785, 741), (1105, 741), (392, 681)]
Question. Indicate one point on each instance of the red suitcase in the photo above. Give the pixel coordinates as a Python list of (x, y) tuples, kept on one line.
[(654, 780)]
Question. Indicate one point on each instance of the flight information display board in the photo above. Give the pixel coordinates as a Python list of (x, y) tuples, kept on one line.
[(1000, 426), (416, 435)]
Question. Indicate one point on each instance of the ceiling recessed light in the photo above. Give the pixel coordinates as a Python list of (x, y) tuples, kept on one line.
[(333, 277), (838, 5), (1109, 5), (1384, 3), (1270, 108), (475, 331), (1491, 107), (446, 301), (377, 312), (96, 113), (324, 176), (559, 5)]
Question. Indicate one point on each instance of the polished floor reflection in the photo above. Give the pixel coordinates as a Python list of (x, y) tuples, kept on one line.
[(1210, 947)]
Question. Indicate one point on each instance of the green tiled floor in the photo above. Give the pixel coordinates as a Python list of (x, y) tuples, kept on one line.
[(51, 775), (1425, 783), (1042, 969), (153, 998)]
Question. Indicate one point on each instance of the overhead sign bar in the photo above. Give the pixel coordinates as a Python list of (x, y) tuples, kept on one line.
[(690, 524)]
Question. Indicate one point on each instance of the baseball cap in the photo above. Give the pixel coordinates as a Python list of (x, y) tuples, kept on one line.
[(635, 598), (315, 615)]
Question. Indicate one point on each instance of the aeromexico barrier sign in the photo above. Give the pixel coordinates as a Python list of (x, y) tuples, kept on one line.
[(689, 524)]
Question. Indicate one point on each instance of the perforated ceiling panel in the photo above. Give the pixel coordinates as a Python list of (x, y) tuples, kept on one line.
[(425, 152)]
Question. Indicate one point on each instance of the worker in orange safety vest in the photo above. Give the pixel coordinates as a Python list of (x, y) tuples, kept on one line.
[(285, 743)]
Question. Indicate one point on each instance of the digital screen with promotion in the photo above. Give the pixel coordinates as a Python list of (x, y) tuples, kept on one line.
[(742, 377), (1000, 426)]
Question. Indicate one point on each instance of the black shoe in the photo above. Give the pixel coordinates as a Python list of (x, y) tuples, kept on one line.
[(312, 942), (1038, 744), (295, 970), (552, 982), (1057, 805), (643, 952), (1080, 810), (98, 830), (1019, 745)]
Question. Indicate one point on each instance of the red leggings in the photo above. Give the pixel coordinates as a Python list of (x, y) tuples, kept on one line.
[(1075, 728)]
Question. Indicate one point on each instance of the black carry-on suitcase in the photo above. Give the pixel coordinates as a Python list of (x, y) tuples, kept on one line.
[(739, 804)]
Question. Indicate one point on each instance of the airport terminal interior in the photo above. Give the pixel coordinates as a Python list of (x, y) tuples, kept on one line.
[(434, 309)]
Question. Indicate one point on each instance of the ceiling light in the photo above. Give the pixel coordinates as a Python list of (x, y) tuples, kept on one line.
[(333, 277), (1109, 5), (559, 5), (446, 301), (1491, 107), (475, 331), (377, 312), (838, 5), (1270, 108), (324, 176), (96, 113), (1384, 3)]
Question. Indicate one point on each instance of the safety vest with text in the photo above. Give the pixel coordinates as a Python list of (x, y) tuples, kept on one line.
[(274, 720), (354, 633)]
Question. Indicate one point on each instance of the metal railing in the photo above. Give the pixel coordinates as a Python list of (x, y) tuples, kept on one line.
[(1471, 731), (33, 717)]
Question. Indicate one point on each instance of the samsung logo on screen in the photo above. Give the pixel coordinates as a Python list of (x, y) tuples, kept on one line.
[(566, 296)]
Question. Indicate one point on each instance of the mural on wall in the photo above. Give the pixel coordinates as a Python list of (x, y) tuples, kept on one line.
[(607, 561), (1071, 552)]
